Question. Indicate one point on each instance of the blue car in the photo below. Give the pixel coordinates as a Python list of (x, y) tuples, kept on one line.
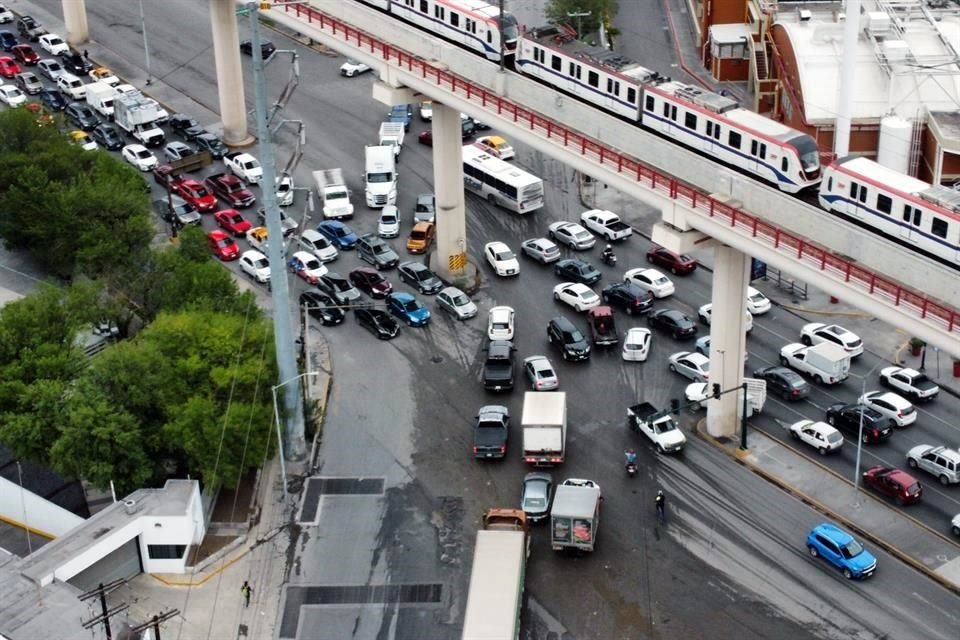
[(836, 546), (53, 99), (339, 234), (406, 307)]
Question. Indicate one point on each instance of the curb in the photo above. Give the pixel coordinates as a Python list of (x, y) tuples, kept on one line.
[(742, 458)]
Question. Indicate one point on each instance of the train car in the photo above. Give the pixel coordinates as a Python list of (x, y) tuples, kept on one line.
[(474, 24), (717, 127), (906, 210)]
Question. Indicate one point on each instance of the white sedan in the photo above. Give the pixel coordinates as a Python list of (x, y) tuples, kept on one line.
[(636, 344), (690, 364), (284, 190), (577, 295), (11, 96), (140, 157), (818, 435), (540, 373), (255, 264), (54, 44), (895, 407), (388, 225), (500, 323), (757, 303), (352, 68), (817, 332), (659, 285), (502, 259), (706, 313)]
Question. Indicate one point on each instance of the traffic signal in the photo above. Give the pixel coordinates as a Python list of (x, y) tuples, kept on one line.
[(716, 390)]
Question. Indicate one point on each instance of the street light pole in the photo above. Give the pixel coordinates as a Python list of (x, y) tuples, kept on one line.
[(856, 473), (146, 48), (580, 15), (502, 45), (276, 417)]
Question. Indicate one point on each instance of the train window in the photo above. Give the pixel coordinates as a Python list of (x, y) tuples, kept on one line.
[(673, 113), (539, 55), (489, 37), (917, 215), (830, 184), (423, 7), (784, 164), (454, 19), (409, 3), (938, 228), (753, 147), (439, 11), (690, 121), (713, 130), (884, 203), (649, 101), (763, 152), (613, 87), (854, 187), (862, 195), (574, 70), (666, 110), (734, 139), (631, 95), (593, 79), (556, 63)]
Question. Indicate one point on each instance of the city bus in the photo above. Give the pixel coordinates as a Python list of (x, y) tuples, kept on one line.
[(500, 182)]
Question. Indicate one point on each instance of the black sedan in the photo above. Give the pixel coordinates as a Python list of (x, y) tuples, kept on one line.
[(322, 307), (266, 48), (378, 322), (784, 382), (418, 275), (185, 125), (107, 136), (573, 270), (75, 63), (675, 322), (210, 143), (850, 417), (627, 296)]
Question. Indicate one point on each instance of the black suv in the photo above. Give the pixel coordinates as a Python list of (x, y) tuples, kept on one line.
[(491, 432), (82, 115), (498, 366), (419, 275), (786, 383), (627, 296), (846, 417), (322, 307), (75, 63), (371, 248), (564, 335)]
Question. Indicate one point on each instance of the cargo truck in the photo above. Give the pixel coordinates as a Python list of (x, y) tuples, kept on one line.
[(497, 577), (544, 423), (380, 176), (100, 97), (334, 194), (575, 515), (138, 116), (826, 362), (391, 135)]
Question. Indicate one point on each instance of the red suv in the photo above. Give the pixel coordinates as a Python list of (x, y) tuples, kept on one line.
[(196, 194), (894, 483), (677, 264), (24, 53)]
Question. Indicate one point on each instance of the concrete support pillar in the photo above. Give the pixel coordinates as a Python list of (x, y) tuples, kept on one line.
[(451, 232), (226, 52), (728, 339), (75, 19)]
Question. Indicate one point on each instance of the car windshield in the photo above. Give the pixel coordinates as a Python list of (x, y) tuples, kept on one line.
[(536, 502), (665, 426), (143, 154), (573, 336), (340, 285), (460, 299), (380, 177), (852, 549), (410, 305), (504, 255), (388, 219), (311, 264), (261, 263)]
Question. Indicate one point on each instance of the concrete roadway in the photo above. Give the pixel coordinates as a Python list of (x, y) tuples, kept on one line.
[(731, 559)]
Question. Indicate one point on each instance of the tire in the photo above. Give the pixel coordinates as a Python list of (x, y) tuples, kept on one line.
[(912, 463), (676, 336), (549, 338), (956, 531), (556, 296), (818, 379), (672, 367), (703, 319), (784, 361), (900, 501), (813, 551), (786, 396), (552, 235), (563, 353), (806, 340), (944, 480), (794, 434), (660, 448), (847, 574), (673, 270), (884, 381), (822, 451), (491, 199)]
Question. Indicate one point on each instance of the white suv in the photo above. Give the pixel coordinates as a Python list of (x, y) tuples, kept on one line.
[(939, 461)]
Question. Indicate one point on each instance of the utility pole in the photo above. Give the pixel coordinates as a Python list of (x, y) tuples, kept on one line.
[(502, 46), (280, 290), (146, 48), (155, 623), (105, 614)]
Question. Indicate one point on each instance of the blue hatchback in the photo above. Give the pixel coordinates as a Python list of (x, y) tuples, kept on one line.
[(338, 233), (839, 548), (409, 309)]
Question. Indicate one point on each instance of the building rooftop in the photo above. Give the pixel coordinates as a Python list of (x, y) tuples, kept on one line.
[(905, 63)]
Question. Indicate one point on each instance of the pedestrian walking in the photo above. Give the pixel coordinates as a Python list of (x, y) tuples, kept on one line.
[(86, 54), (245, 591)]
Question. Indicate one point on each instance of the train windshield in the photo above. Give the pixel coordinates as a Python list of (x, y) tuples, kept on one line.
[(808, 152), (509, 29)]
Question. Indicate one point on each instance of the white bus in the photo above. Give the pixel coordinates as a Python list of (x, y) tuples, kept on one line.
[(500, 182)]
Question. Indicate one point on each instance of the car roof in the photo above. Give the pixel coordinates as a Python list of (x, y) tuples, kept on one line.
[(253, 254), (537, 359), (834, 532), (890, 397), (496, 245), (401, 296), (563, 323), (501, 310), (452, 291), (417, 266), (304, 256), (218, 234)]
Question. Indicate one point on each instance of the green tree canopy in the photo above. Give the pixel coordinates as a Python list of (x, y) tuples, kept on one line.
[(559, 11)]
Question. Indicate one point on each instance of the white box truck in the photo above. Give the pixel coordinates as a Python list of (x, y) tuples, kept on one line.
[(100, 97), (826, 362), (575, 515), (544, 423), (138, 116), (380, 176), (391, 135), (334, 194)]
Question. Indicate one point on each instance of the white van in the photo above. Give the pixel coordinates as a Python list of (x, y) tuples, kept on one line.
[(380, 176)]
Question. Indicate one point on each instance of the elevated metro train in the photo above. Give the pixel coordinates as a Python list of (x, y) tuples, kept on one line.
[(905, 210)]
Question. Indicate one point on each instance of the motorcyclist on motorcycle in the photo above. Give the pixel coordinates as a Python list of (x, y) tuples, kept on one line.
[(607, 255), (631, 457)]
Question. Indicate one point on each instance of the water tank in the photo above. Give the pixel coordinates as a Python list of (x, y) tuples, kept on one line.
[(894, 149)]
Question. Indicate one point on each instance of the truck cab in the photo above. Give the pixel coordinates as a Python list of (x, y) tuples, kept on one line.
[(498, 369), (603, 330), (380, 176), (491, 432)]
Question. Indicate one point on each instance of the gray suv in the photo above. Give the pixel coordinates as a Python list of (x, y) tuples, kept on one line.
[(371, 248)]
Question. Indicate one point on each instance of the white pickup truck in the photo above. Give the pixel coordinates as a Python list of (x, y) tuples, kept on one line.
[(606, 224), (659, 427), (244, 166)]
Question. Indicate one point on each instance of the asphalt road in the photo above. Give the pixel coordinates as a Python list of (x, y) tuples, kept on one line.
[(729, 563)]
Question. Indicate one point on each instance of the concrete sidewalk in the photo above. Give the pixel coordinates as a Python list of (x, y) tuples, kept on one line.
[(928, 551)]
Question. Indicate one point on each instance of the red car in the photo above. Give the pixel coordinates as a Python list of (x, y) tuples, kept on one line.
[(230, 189), (893, 483), (371, 282), (677, 264), (9, 67), (223, 246), (164, 176), (196, 194), (24, 53), (232, 221)]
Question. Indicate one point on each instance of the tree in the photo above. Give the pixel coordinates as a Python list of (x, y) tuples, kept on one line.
[(558, 12)]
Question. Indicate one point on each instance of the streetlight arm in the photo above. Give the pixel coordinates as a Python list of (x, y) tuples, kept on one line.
[(296, 377)]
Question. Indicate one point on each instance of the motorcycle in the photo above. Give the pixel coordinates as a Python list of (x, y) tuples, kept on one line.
[(608, 258), (631, 469)]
